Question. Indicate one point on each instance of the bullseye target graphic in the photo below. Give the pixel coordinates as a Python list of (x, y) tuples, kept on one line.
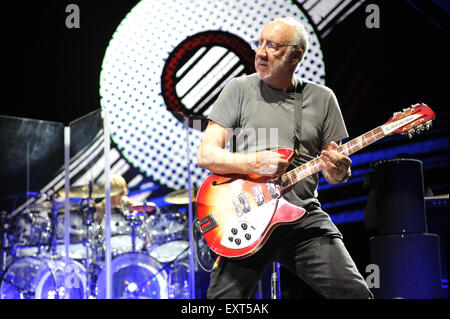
[(170, 59), (197, 70)]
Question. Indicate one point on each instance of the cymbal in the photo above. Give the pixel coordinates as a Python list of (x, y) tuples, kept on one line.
[(49, 205), (180, 197), (82, 191), (46, 205)]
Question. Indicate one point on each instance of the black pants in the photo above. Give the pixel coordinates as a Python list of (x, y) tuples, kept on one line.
[(314, 252)]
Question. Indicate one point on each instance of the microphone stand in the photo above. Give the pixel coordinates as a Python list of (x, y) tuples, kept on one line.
[(186, 121)]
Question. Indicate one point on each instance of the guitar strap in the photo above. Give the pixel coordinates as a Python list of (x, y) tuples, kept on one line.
[(299, 86)]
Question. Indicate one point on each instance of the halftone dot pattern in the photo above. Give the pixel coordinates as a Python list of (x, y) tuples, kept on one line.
[(148, 135)]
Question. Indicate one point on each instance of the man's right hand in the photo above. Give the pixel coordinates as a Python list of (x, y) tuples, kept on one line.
[(212, 155), (267, 163)]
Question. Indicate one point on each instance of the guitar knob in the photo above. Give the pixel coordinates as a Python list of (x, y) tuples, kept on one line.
[(237, 241), (234, 231), (248, 236), (244, 226), (230, 238)]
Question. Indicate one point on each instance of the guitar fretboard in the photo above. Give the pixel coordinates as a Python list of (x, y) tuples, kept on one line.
[(296, 175)]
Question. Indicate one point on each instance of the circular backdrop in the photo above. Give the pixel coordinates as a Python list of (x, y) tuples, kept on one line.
[(159, 62)]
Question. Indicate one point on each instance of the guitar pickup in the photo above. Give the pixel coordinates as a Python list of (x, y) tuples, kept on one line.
[(258, 195), (274, 190), (237, 209), (241, 204), (244, 203)]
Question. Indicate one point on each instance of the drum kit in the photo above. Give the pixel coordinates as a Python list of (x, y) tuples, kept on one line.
[(149, 250)]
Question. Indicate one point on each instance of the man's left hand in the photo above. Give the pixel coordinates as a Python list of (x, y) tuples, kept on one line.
[(335, 166)]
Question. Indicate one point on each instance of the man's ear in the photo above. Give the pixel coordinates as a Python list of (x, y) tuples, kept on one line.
[(296, 56)]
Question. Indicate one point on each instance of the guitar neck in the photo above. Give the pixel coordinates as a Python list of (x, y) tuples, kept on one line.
[(296, 175)]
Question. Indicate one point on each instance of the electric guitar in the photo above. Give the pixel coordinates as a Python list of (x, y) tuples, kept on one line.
[(237, 213)]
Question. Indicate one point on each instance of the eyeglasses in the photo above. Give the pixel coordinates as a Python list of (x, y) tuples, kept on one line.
[(270, 46)]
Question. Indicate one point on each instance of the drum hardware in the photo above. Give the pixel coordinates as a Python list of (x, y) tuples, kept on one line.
[(88, 218), (46, 218), (134, 222), (136, 217)]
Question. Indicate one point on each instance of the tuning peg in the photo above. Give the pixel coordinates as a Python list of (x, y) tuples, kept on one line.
[(411, 134)]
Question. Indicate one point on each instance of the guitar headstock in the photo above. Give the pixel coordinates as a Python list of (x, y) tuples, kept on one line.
[(410, 121)]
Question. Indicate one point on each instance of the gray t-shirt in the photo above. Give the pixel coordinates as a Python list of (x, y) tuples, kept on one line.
[(263, 118)]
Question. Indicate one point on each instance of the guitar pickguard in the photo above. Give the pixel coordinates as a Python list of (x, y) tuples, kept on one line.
[(248, 228)]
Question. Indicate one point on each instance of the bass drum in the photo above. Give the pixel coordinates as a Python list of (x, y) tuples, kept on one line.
[(134, 276), (33, 278)]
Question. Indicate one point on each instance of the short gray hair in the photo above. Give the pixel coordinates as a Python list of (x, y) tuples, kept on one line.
[(301, 35)]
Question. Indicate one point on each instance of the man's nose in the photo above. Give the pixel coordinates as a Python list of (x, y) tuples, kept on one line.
[(261, 50)]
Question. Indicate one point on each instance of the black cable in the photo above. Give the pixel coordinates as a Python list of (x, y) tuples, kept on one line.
[(195, 249)]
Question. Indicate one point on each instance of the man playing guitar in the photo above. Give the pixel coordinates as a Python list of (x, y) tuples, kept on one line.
[(312, 247)]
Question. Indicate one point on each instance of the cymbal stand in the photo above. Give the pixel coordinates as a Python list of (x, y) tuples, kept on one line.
[(134, 221), (4, 233), (54, 223), (275, 289), (191, 280), (88, 218)]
